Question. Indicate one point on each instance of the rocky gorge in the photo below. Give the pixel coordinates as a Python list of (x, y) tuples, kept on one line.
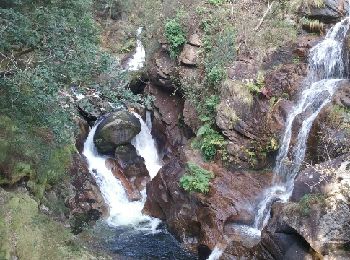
[(222, 106)]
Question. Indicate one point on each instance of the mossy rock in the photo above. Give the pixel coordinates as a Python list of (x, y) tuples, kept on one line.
[(116, 129), (25, 233)]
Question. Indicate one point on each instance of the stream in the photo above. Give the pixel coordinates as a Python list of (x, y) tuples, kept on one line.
[(138, 236)]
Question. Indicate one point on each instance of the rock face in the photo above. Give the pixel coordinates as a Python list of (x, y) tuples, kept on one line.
[(87, 200), (330, 135), (189, 55), (319, 215), (118, 128), (199, 219), (329, 11)]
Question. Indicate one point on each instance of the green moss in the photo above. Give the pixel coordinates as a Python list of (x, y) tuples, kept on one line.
[(307, 201), (27, 234)]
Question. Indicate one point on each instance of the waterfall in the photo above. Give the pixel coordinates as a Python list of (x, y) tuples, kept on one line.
[(326, 70), (215, 254), (122, 212), (145, 146), (138, 59)]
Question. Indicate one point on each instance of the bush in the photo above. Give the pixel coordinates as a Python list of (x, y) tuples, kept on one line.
[(196, 179), (175, 36), (209, 142)]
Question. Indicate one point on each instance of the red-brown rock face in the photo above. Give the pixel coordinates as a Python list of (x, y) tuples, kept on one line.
[(204, 218)]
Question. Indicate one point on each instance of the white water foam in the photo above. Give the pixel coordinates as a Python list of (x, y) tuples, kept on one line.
[(122, 212), (327, 68), (137, 61), (215, 254)]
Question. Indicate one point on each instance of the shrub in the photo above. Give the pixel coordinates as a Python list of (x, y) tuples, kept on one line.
[(215, 75), (256, 85), (209, 142), (175, 36), (196, 179)]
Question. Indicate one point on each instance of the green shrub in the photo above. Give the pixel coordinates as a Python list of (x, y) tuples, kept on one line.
[(175, 36), (209, 142), (215, 75), (256, 85), (196, 179)]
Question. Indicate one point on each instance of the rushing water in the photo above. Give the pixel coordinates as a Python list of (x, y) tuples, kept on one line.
[(327, 68), (122, 211), (138, 59), (130, 233)]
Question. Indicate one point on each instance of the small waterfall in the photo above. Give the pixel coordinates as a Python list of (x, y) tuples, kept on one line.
[(327, 69), (145, 146), (137, 61), (122, 212)]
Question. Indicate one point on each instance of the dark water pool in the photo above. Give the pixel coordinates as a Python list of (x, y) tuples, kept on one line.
[(130, 243)]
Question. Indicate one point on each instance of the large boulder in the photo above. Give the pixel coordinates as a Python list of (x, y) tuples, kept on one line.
[(328, 11), (116, 129), (204, 219), (318, 215), (330, 135)]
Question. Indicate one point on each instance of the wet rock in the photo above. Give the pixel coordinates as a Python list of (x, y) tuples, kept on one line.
[(281, 241), (130, 163), (189, 55), (118, 128), (132, 193), (160, 70), (167, 128), (87, 198), (330, 135), (203, 217), (320, 219), (80, 138)]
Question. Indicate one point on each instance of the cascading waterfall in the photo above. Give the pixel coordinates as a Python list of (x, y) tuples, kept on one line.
[(122, 211), (138, 59), (327, 69)]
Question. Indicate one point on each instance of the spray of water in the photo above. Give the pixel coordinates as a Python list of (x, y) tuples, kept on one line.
[(121, 211)]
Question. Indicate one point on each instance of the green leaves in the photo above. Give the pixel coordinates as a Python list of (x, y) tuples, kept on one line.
[(175, 36), (209, 141), (196, 179)]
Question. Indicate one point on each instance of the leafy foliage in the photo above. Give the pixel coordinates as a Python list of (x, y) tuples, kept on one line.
[(256, 85), (196, 179), (46, 47), (209, 142), (175, 36)]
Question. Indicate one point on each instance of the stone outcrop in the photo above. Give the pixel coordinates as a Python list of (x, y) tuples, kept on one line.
[(318, 216), (118, 128), (203, 219), (189, 55), (86, 199), (329, 11), (330, 135)]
